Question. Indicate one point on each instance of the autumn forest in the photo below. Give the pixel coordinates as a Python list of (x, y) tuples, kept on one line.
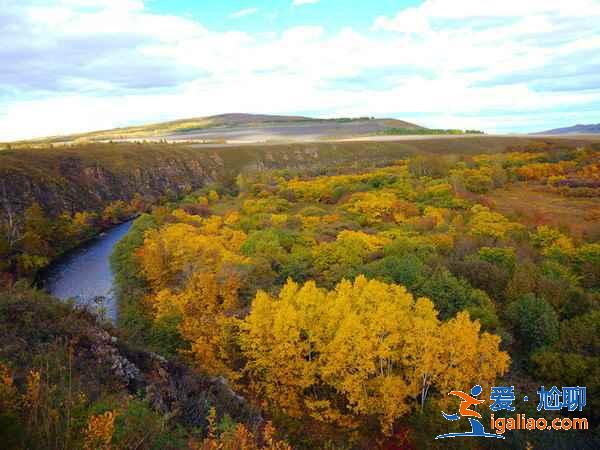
[(342, 304)]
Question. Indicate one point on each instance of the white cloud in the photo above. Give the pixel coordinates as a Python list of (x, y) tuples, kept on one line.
[(75, 65), (304, 2), (431, 11), (243, 13)]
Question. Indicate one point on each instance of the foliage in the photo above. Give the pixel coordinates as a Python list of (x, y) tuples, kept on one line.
[(452, 295), (422, 223), (486, 223), (534, 321), (239, 437), (367, 345), (341, 300)]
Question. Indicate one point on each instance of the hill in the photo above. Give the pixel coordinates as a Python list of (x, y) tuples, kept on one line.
[(576, 129), (241, 128)]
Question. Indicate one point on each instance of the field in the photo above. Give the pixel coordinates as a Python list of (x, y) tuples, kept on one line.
[(534, 205)]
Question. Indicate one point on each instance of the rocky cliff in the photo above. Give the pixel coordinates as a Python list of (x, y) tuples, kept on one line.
[(66, 181), (87, 177)]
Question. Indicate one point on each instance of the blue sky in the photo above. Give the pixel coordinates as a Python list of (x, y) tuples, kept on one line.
[(510, 66), (279, 15)]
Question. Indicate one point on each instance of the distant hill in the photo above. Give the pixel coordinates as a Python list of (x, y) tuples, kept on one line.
[(241, 128), (576, 129)]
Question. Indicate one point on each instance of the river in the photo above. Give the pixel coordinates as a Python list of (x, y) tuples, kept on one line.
[(85, 275)]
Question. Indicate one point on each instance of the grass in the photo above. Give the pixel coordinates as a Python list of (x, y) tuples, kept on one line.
[(193, 124), (535, 205)]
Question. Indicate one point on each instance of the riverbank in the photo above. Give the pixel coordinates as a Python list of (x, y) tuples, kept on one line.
[(41, 277), (85, 275)]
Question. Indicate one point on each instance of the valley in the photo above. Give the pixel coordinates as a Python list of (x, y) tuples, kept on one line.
[(299, 225), (497, 235)]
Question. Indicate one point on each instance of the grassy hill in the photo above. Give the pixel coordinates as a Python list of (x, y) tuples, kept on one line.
[(224, 126)]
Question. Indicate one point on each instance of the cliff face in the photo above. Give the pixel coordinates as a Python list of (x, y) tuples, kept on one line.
[(87, 177), (76, 184), (91, 176)]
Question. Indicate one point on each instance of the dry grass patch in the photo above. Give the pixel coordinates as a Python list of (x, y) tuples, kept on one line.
[(534, 205)]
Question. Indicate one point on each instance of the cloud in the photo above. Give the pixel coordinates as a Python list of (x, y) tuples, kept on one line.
[(76, 65), (304, 2), (438, 11), (243, 13)]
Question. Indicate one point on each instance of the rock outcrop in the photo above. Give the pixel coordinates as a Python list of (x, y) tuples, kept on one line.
[(37, 330), (170, 388)]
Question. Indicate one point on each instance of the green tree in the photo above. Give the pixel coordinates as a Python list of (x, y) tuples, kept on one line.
[(534, 322), (478, 183), (36, 249), (407, 270), (451, 294), (587, 262)]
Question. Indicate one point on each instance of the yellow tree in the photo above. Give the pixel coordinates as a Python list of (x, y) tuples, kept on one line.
[(375, 207), (552, 242), (364, 349), (194, 277), (467, 356), (486, 223), (175, 251)]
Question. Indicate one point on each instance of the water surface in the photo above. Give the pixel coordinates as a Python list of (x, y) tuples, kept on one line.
[(85, 275)]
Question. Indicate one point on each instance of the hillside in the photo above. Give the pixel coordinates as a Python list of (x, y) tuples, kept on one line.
[(576, 129), (110, 182), (62, 372), (238, 127), (90, 176)]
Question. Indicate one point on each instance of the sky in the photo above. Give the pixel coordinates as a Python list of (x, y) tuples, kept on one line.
[(511, 66)]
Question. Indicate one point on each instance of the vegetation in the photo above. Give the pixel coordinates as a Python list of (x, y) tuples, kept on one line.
[(331, 300), (81, 189), (59, 389), (51, 396), (343, 302), (44, 238), (426, 131)]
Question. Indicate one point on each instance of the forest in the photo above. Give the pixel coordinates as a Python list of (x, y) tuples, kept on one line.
[(350, 303), (345, 303)]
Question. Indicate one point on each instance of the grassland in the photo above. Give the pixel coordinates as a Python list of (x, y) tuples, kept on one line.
[(536, 205), (232, 126)]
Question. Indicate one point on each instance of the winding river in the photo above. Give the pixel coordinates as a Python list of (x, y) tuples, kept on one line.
[(85, 275)]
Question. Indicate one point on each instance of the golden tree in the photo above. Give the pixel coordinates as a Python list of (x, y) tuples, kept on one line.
[(194, 277), (364, 349)]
